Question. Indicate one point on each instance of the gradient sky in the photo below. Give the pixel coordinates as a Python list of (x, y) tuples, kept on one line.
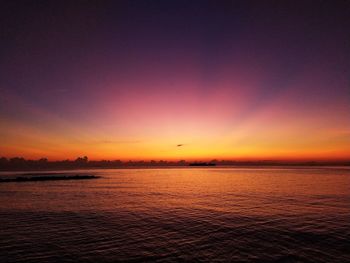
[(133, 79)]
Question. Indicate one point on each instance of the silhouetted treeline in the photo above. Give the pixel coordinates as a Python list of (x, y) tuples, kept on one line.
[(19, 163)]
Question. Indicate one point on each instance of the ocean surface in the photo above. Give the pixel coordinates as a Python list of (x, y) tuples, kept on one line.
[(180, 215)]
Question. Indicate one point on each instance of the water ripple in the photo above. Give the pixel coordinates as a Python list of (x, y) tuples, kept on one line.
[(171, 217)]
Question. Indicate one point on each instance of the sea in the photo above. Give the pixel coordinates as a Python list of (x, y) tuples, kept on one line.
[(187, 214)]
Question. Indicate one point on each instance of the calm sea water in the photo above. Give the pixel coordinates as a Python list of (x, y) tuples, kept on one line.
[(188, 214)]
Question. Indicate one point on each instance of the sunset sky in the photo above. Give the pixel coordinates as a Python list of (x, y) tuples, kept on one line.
[(134, 79)]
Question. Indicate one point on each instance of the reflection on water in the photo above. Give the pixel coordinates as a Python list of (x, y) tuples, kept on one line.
[(203, 214)]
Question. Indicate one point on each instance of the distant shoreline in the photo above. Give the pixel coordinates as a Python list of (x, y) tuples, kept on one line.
[(43, 164), (42, 169)]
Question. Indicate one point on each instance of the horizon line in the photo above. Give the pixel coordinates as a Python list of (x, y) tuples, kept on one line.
[(172, 160)]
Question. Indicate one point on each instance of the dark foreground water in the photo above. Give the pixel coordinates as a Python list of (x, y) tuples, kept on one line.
[(170, 215)]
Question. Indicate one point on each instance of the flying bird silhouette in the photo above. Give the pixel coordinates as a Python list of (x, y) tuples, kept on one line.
[(179, 145)]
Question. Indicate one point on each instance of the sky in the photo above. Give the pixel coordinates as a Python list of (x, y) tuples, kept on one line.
[(171, 80)]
